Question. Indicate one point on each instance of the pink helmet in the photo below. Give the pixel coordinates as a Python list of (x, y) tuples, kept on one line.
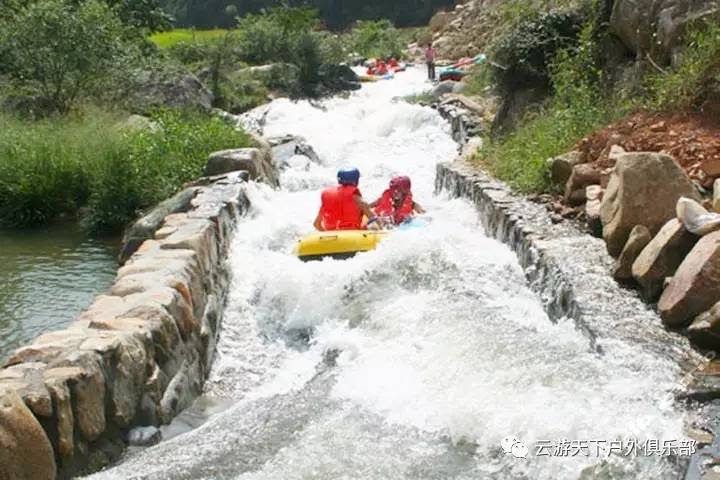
[(401, 184)]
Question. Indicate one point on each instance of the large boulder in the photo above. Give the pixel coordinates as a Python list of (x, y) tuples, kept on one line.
[(705, 329), (561, 167), (284, 148), (643, 190), (439, 21), (582, 176), (25, 451), (145, 228), (442, 88), (256, 161), (593, 194), (696, 218), (187, 91), (661, 257), (592, 217), (639, 238), (695, 287), (338, 78), (657, 26)]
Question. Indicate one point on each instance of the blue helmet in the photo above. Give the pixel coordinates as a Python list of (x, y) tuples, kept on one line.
[(348, 176)]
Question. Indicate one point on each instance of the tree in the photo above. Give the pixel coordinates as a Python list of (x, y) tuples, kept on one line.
[(143, 14), (337, 14), (9, 8), (59, 51)]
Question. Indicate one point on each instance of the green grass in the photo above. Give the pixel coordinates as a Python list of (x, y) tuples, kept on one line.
[(697, 77), (479, 80), (409, 35), (88, 168), (577, 107), (581, 101), (173, 37), (520, 158)]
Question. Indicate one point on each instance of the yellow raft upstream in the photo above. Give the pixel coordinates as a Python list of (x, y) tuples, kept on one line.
[(338, 244)]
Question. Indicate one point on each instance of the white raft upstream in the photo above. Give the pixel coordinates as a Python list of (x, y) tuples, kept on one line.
[(412, 361)]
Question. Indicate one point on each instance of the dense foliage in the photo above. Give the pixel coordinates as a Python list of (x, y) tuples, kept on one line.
[(274, 35), (336, 14), (58, 51), (696, 80), (576, 108), (296, 54), (64, 64), (586, 90), (146, 15), (91, 166), (526, 51), (373, 39)]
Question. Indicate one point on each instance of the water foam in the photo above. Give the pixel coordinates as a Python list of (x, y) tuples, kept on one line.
[(442, 349)]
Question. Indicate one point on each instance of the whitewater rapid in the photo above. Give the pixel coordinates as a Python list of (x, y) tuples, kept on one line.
[(413, 361)]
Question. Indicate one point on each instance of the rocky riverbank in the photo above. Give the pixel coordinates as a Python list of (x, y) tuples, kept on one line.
[(71, 400), (652, 236), (135, 357), (632, 200), (645, 207)]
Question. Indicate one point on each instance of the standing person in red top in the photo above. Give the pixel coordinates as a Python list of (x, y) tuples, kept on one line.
[(397, 201), (430, 60), (342, 207)]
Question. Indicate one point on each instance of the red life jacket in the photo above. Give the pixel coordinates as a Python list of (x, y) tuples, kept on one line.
[(338, 209), (385, 207)]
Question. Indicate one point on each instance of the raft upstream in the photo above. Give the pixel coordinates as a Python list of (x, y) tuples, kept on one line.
[(339, 244)]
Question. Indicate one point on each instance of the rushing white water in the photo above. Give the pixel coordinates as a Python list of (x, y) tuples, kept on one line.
[(444, 351)]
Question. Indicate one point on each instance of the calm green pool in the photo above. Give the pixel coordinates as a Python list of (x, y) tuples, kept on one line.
[(47, 277)]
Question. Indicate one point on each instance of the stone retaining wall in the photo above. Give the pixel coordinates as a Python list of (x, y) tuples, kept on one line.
[(137, 356), (570, 270)]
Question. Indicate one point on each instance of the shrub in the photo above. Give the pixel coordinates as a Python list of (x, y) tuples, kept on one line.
[(238, 95), (334, 48), (61, 52), (271, 36), (306, 56), (577, 107), (88, 165), (46, 165), (419, 35), (512, 12), (376, 39), (697, 77), (193, 53), (142, 14), (526, 51), (155, 165), (286, 35), (478, 80)]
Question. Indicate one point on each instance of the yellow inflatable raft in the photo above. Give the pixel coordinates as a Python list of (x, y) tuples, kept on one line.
[(337, 244)]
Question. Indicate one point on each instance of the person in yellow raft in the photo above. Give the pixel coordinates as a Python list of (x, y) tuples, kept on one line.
[(342, 206), (396, 203)]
